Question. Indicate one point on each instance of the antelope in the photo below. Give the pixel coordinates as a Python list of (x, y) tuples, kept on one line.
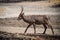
[(35, 20)]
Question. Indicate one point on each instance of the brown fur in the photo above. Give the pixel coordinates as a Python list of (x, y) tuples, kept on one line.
[(35, 19)]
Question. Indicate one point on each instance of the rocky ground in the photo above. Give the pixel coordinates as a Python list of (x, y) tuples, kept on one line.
[(19, 36)]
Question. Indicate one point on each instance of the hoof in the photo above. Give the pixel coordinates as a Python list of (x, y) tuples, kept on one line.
[(24, 33), (43, 33), (34, 32), (53, 33)]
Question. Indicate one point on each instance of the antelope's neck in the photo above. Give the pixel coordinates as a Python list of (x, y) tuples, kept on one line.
[(23, 17)]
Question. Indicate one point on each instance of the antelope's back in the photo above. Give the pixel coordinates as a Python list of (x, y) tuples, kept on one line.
[(36, 17)]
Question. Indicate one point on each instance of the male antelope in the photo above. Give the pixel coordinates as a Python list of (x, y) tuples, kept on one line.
[(35, 19)]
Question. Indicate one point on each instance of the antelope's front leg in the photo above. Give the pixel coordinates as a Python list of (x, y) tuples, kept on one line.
[(34, 28), (51, 28), (49, 25), (27, 27)]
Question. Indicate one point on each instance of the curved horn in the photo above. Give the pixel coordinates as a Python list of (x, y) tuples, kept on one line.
[(21, 9)]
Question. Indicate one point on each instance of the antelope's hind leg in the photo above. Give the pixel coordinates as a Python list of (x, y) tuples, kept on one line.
[(45, 27), (34, 28), (49, 25), (51, 28)]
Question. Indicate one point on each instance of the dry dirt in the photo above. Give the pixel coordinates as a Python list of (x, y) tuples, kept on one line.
[(11, 36)]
